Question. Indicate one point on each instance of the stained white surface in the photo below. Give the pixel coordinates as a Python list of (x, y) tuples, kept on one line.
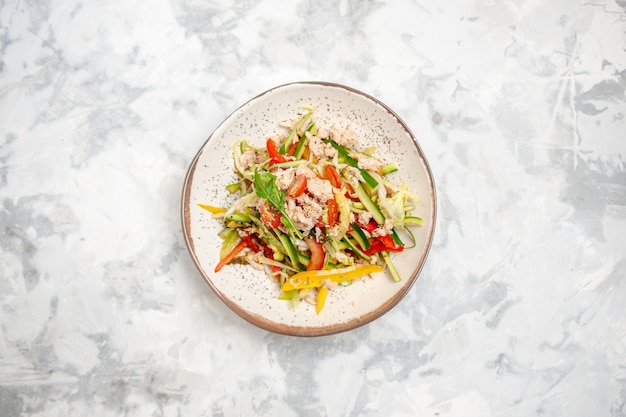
[(519, 106)]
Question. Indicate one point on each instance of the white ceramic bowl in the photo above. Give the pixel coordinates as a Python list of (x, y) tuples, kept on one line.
[(250, 293)]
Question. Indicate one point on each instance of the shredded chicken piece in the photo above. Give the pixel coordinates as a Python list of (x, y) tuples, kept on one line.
[(383, 230), (365, 217), (320, 189), (304, 211), (369, 163), (306, 171), (247, 159), (284, 177), (346, 137), (319, 148), (353, 176)]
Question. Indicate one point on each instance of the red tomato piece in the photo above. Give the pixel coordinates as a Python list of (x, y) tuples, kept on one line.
[(269, 216), (317, 254), (275, 156), (297, 186), (331, 174)]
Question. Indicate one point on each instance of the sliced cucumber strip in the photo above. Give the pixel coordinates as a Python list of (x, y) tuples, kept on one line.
[(369, 204)]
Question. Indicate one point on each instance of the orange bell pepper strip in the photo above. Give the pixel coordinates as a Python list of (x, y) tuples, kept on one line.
[(232, 254), (333, 212), (317, 254), (331, 174), (292, 149)]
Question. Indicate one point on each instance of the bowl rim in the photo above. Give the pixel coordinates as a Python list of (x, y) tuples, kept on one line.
[(281, 328)]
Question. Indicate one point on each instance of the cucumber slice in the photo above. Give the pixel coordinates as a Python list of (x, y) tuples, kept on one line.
[(288, 296), (343, 153), (396, 238), (394, 272), (238, 217), (359, 235), (291, 251), (234, 187), (353, 247), (304, 260), (389, 168), (356, 205), (301, 147), (287, 143), (413, 221), (290, 164), (224, 232), (337, 244), (365, 198), (268, 236), (230, 241)]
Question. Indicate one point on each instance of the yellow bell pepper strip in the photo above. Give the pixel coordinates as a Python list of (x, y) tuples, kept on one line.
[(314, 279), (322, 292), (343, 206), (212, 209)]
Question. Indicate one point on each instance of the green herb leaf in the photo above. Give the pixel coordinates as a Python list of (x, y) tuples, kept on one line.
[(265, 187)]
